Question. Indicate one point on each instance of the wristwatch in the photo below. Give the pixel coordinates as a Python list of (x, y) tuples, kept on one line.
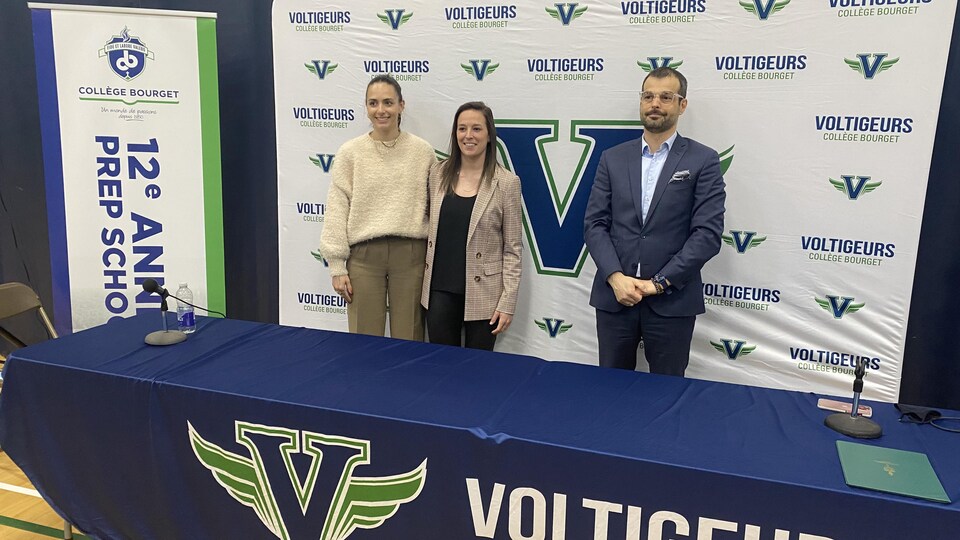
[(660, 283)]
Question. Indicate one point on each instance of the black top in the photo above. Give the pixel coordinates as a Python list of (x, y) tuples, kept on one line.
[(450, 255)]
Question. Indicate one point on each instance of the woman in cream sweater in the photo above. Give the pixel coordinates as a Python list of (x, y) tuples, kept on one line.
[(375, 226)]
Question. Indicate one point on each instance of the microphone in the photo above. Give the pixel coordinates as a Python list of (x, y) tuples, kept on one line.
[(151, 286), (165, 336), (854, 425)]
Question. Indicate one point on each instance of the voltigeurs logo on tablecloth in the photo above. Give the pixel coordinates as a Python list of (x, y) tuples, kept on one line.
[(838, 306), (857, 128), (760, 66), (847, 250), (658, 12), (871, 64), (546, 515), (553, 327), (741, 241), (656, 62), (746, 297), (763, 9), (733, 348), (854, 186), (480, 68), (877, 8), (566, 13), (256, 478), (477, 17)]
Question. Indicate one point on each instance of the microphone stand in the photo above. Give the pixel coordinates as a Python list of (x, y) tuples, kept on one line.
[(164, 337), (854, 425)]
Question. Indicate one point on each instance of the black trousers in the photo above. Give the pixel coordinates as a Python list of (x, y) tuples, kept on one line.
[(666, 340), (445, 323)]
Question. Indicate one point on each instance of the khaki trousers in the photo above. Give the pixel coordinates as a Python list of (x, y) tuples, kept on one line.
[(387, 271)]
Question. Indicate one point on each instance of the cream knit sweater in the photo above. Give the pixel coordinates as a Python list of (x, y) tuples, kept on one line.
[(375, 191)]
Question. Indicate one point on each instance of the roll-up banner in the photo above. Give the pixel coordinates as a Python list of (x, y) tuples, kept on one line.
[(130, 123)]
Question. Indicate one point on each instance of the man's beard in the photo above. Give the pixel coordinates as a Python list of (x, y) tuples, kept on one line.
[(658, 126)]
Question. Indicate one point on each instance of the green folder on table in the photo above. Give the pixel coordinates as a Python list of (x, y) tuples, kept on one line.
[(890, 470)]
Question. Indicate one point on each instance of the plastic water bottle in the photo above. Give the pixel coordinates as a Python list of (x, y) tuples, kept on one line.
[(186, 322)]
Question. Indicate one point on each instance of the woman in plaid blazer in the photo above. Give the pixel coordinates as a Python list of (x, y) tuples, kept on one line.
[(473, 262)]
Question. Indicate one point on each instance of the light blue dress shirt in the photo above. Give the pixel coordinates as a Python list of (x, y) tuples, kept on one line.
[(652, 167)]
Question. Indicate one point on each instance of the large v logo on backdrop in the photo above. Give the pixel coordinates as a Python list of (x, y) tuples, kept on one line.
[(554, 222)]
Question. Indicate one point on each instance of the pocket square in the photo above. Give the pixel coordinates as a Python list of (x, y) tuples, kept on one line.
[(679, 176)]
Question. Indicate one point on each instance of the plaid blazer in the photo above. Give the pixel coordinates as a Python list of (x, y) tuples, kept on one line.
[(494, 245)]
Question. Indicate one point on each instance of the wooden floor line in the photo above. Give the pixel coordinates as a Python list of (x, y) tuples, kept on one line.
[(36, 528), (23, 513), (20, 490)]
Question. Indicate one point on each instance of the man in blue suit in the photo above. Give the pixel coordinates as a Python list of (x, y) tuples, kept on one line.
[(653, 220)]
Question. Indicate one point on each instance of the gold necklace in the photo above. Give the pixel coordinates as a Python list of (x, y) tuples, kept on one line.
[(395, 141), (461, 187)]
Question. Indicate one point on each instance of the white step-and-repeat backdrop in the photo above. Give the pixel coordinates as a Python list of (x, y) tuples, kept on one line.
[(824, 114)]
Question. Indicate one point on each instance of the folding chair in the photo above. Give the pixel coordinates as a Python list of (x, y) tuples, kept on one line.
[(16, 299)]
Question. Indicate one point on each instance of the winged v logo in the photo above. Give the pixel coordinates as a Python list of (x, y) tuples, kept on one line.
[(839, 306), (297, 510), (763, 8), (324, 161), (321, 68), (742, 240), (854, 186), (870, 64), (726, 159), (553, 327), (733, 348), (566, 13), (655, 62), (319, 257), (480, 68), (394, 17)]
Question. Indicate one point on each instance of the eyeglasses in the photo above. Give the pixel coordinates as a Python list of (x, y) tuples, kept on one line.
[(665, 97)]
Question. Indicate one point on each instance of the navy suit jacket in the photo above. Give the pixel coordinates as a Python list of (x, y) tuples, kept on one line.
[(681, 232)]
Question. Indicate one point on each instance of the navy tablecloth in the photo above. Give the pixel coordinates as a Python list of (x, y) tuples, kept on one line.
[(125, 440)]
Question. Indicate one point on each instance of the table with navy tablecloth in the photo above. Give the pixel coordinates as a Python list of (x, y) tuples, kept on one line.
[(252, 430)]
